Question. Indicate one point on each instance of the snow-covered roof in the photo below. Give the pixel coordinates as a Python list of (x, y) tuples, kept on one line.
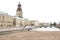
[(17, 17), (2, 12), (21, 18)]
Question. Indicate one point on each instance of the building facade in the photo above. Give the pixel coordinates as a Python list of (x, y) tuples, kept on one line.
[(43, 24), (34, 23), (17, 20), (5, 20)]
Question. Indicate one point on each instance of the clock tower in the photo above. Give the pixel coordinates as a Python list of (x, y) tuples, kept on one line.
[(19, 11)]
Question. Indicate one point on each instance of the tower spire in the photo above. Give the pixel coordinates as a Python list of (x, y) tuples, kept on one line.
[(19, 4), (19, 7), (19, 11)]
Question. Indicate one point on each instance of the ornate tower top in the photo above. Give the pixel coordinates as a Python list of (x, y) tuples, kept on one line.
[(19, 11), (19, 4), (19, 7)]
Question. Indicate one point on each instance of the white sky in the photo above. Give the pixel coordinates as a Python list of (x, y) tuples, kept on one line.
[(41, 10)]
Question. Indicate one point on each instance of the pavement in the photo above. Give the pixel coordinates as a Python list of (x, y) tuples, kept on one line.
[(32, 35), (10, 30)]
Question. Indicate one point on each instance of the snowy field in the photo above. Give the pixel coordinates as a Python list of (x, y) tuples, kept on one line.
[(43, 29), (32, 28), (46, 29)]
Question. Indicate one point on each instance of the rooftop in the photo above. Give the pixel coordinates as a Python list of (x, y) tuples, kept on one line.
[(3, 12)]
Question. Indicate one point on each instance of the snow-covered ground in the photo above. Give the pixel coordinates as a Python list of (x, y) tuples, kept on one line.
[(42, 29), (11, 28), (46, 29), (32, 28)]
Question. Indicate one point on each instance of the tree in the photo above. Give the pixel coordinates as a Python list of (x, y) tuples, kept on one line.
[(54, 23)]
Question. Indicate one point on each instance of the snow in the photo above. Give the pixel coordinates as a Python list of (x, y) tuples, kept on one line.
[(20, 18), (42, 29), (46, 29), (9, 29), (32, 28), (17, 17), (29, 27)]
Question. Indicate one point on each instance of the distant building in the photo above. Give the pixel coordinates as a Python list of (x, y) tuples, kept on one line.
[(58, 25), (5, 20), (34, 23), (17, 20), (43, 24)]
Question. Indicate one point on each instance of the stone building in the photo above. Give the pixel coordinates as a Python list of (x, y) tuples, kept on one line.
[(5, 20), (58, 25), (25, 22), (43, 24), (34, 23), (20, 22), (17, 20), (19, 11)]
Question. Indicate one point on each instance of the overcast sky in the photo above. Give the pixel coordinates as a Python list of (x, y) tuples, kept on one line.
[(41, 10)]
